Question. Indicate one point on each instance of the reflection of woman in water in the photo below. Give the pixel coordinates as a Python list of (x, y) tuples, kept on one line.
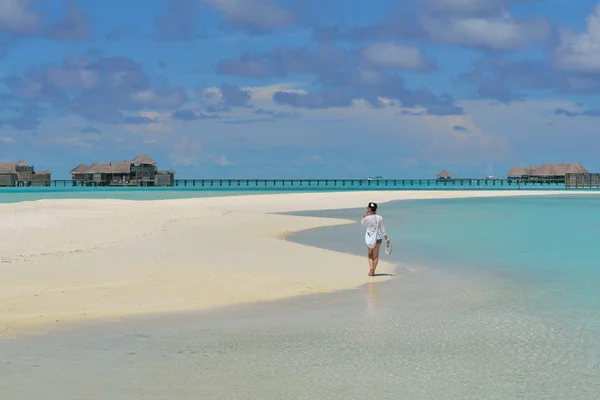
[(374, 225), (372, 299)]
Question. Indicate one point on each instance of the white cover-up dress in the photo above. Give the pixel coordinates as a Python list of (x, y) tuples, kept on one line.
[(371, 222)]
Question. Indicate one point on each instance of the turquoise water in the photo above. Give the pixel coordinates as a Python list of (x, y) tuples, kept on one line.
[(15, 195), (226, 187), (494, 300), (547, 245)]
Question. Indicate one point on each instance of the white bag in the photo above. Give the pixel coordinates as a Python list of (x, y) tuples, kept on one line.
[(371, 238), (388, 248)]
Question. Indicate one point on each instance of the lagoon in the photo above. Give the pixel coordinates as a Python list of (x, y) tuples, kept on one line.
[(493, 298)]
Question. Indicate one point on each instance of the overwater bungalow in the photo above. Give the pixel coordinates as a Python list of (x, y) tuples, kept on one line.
[(140, 171), (547, 171), (22, 174), (518, 172), (444, 175), (576, 168)]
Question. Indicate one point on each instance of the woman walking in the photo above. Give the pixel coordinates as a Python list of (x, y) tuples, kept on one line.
[(374, 235)]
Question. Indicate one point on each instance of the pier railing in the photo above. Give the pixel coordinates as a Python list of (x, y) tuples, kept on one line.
[(582, 180), (362, 184), (346, 184)]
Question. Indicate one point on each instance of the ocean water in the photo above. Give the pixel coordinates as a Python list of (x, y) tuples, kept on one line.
[(15, 195), (492, 299), (226, 187), (548, 244)]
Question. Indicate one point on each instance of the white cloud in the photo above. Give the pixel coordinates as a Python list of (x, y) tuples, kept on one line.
[(73, 78), (153, 99), (74, 142), (214, 92), (581, 52), (159, 123), (497, 33), (6, 139), (531, 128), (16, 16), (155, 115), (186, 151), (397, 56), (267, 92), (254, 14), (444, 144), (224, 162), (84, 141), (467, 6), (493, 132), (256, 92), (317, 159), (153, 127)]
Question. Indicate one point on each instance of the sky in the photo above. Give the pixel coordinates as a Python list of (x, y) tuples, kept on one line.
[(301, 88)]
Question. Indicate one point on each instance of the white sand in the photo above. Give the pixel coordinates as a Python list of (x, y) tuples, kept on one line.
[(74, 261)]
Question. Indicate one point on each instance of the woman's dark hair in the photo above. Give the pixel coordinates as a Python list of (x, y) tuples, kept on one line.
[(373, 206)]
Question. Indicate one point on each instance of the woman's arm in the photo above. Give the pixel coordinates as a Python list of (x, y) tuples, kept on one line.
[(383, 232), (365, 215)]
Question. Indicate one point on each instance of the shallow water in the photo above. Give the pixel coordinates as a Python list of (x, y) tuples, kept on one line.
[(222, 187), (458, 342), (19, 194), (455, 330), (547, 245)]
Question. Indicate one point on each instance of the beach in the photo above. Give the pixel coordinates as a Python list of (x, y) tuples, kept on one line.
[(74, 262)]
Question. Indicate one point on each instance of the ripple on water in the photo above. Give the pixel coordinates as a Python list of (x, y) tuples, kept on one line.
[(470, 343)]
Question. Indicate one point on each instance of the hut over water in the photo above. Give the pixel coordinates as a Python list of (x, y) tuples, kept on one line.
[(444, 175), (78, 173), (517, 171), (546, 171), (143, 159), (22, 174), (576, 168), (140, 171)]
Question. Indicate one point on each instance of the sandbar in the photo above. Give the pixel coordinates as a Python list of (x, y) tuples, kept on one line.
[(75, 261)]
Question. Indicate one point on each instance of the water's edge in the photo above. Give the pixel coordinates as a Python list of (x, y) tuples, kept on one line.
[(426, 334), (413, 275)]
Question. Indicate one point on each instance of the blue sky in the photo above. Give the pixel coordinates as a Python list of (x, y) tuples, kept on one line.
[(301, 88)]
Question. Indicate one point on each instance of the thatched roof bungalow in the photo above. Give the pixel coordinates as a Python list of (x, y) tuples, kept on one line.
[(103, 172), (516, 171), (444, 175), (547, 170), (141, 171), (7, 167), (21, 173), (80, 168), (110, 168), (79, 172), (143, 159), (576, 168), (8, 175)]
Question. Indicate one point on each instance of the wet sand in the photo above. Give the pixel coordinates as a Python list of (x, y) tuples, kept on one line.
[(79, 261)]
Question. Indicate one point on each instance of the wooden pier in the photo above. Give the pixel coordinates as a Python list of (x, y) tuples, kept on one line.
[(343, 184), (580, 180), (395, 184)]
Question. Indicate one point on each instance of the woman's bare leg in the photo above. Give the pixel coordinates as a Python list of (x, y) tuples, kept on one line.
[(371, 259), (375, 257)]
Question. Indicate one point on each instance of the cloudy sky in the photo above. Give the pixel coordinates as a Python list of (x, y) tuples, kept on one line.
[(301, 88)]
